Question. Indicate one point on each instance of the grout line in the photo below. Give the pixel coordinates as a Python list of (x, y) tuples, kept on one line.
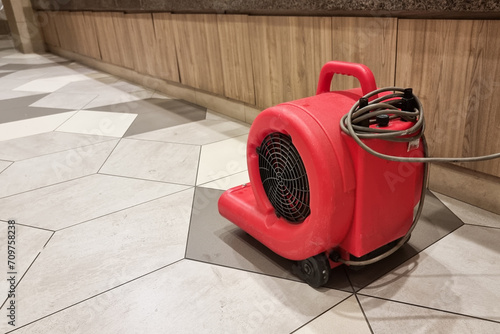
[(122, 209), (50, 238), (319, 315), (405, 261), (364, 314), (68, 149), (431, 308), (355, 293), (31, 226), (290, 279), (223, 177), (25, 272), (98, 294), (47, 186), (486, 226), (109, 155), (193, 203), (160, 141), (74, 114), (148, 180)]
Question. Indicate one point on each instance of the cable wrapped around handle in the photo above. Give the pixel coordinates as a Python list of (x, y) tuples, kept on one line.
[(390, 105)]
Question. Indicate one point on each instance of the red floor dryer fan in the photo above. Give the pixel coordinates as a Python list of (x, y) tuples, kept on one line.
[(315, 194)]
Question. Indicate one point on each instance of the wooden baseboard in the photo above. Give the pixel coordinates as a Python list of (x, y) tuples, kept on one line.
[(472, 187)]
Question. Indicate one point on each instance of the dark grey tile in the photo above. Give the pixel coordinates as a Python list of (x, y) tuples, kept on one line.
[(214, 239), (182, 108), (18, 109), (435, 222), (154, 114)]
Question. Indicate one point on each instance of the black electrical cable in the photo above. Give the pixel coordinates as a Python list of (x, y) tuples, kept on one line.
[(393, 106)]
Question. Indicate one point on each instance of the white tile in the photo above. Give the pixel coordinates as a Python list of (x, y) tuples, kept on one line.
[(45, 143), (49, 85), (222, 159), (390, 317), (83, 199), (156, 161), (197, 133), (470, 214), (53, 168), (347, 317), (193, 297), (28, 243), (99, 123), (33, 126), (90, 86), (4, 165), (104, 253), (228, 182), (28, 58), (64, 101), (460, 273)]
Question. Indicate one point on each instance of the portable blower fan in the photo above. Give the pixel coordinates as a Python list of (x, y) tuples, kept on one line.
[(315, 194)]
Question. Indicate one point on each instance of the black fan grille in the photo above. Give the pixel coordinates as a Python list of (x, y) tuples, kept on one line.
[(284, 177)]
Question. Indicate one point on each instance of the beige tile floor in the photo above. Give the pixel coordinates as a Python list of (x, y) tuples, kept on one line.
[(114, 190)]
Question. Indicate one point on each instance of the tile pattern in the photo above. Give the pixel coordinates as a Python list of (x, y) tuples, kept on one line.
[(114, 189)]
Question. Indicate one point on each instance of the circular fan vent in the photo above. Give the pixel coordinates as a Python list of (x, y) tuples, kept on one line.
[(284, 177)]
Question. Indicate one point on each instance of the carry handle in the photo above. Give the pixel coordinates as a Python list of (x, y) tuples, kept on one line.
[(359, 71)]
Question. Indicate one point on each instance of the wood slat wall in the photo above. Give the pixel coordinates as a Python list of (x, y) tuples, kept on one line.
[(366, 40), (47, 23), (454, 68), (236, 57), (165, 55), (287, 55), (263, 60), (198, 51), (107, 39)]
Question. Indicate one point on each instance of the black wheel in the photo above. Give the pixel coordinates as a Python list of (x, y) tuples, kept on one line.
[(315, 270)]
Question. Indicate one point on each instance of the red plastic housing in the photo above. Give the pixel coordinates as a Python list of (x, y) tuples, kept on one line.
[(358, 202)]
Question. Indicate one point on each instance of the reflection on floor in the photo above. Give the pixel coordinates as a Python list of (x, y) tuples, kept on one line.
[(114, 190)]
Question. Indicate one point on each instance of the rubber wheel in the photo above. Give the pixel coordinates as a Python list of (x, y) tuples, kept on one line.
[(315, 270)]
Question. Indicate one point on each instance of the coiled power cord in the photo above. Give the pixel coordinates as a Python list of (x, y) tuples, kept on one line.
[(403, 104)]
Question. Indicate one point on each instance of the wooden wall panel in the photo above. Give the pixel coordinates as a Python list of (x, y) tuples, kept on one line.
[(106, 37), (287, 56), (65, 31), (198, 51), (91, 35), (48, 25), (142, 42), (82, 33), (236, 57), (453, 67), (366, 40), (165, 57), (123, 40)]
